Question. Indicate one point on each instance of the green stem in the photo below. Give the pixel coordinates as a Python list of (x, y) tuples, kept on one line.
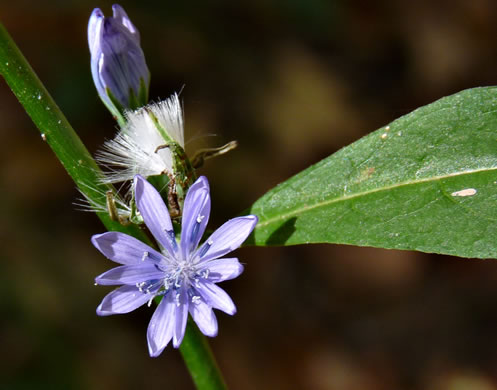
[(67, 146), (55, 129), (199, 359)]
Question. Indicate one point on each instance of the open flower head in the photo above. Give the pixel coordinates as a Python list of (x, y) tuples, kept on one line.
[(144, 144), (183, 273), (118, 65)]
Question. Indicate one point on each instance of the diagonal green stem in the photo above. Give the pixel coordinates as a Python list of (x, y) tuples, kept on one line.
[(79, 164), (55, 129), (199, 359)]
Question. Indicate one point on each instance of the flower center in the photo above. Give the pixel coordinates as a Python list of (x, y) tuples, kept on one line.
[(180, 276)]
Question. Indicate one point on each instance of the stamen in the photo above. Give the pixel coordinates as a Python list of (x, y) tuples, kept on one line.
[(176, 298), (145, 255), (200, 218), (196, 299), (158, 267), (195, 230), (149, 286), (205, 273), (140, 286), (205, 248), (172, 239)]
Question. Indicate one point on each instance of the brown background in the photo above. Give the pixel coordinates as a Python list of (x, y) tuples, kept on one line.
[(293, 81)]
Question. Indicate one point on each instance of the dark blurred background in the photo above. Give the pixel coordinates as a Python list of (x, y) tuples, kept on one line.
[(293, 81)]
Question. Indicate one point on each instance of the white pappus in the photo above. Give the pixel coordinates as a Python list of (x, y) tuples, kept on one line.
[(139, 147)]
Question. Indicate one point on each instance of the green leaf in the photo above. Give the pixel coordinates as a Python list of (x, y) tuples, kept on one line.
[(427, 182)]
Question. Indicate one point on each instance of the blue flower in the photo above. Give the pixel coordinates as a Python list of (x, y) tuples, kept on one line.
[(117, 61), (184, 274)]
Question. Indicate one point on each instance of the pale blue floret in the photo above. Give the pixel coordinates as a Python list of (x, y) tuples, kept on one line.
[(184, 274)]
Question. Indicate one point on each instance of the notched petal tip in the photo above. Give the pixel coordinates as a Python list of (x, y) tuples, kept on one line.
[(96, 15), (130, 275), (214, 333), (236, 270), (122, 300), (228, 237), (118, 11), (204, 317), (94, 25), (252, 222), (153, 352), (177, 343), (95, 238), (139, 184), (100, 241), (138, 178), (203, 180), (124, 249), (217, 298), (103, 313), (120, 14), (253, 217), (160, 327), (223, 269)]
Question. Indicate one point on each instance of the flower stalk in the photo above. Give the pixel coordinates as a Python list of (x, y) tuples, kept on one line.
[(198, 358)]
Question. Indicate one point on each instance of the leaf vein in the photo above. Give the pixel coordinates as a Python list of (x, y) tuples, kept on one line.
[(364, 193)]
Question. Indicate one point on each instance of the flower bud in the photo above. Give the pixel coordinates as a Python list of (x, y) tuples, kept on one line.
[(117, 61)]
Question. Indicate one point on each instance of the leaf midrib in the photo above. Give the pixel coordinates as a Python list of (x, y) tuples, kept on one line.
[(363, 193)]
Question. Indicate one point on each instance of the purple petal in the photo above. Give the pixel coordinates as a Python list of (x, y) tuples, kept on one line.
[(227, 238), (120, 15), (216, 297), (121, 66), (124, 249), (96, 64), (122, 300), (160, 328), (130, 274), (95, 28), (117, 61), (222, 269), (204, 317), (181, 315), (195, 215), (95, 32), (155, 214)]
